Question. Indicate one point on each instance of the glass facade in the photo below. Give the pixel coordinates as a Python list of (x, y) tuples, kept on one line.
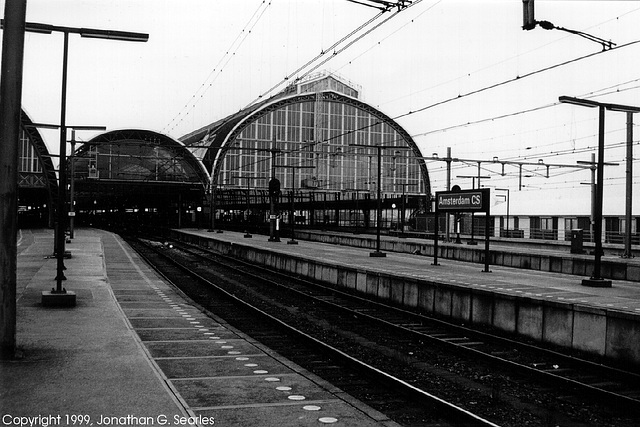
[(316, 137)]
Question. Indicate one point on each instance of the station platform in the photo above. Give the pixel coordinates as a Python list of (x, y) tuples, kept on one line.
[(135, 351), (551, 307)]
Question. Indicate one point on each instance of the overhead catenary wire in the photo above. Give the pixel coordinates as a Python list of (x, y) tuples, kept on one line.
[(517, 78), (331, 52), (224, 60)]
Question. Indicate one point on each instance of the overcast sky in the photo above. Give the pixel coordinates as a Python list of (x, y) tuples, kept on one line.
[(206, 59)]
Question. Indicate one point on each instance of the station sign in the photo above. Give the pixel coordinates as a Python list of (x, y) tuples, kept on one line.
[(463, 200)]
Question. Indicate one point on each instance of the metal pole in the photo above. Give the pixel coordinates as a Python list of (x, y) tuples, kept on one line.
[(508, 201), (246, 233), (473, 186), (10, 110), (593, 196), (599, 197), (212, 202), (62, 174), (520, 178), (72, 212), (403, 211), (293, 241), (487, 230), (629, 184), (273, 220), (435, 233), (447, 215), (357, 213), (377, 253)]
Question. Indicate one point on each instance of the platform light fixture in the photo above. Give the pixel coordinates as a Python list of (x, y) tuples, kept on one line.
[(59, 293), (379, 148), (596, 279)]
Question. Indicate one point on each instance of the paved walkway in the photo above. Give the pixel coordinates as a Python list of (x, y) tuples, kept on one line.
[(84, 361), (136, 351)]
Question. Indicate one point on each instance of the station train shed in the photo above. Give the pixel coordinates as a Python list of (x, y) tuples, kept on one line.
[(329, 151)]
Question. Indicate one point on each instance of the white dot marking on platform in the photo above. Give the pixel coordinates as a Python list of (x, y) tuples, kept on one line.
[(296, 397), (311, 408), (328, 420), (260, 371), (272, 379), (283, 388)]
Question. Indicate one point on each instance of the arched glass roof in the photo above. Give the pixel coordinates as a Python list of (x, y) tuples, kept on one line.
[(139, 156), (318, 130)]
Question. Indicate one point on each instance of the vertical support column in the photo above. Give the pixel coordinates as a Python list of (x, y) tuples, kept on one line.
[(293, 240), (629, 185), (593, 197), (10, 109), (72, 212), (377, 252), (62, 175), (596, 279), (448, 215), (435, 233), (487, 228)]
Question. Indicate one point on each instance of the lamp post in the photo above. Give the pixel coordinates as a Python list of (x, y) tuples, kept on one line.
[(293, 240), (379, 148), (274, 195), (59, 295), (274, 189), (596, 279)]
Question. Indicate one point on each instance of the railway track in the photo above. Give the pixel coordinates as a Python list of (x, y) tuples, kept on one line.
[(349, 318)]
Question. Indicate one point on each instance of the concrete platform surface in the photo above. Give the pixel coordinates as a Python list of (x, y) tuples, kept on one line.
[(135, 351), (623, 296), (548, 307)]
